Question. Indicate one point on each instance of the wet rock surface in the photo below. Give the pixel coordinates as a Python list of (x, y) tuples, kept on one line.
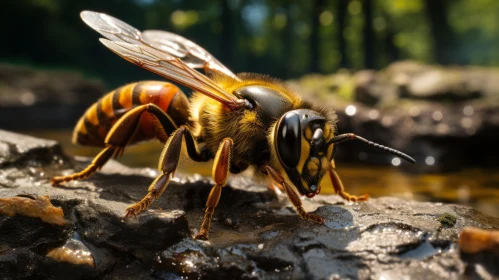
[(255, 233)]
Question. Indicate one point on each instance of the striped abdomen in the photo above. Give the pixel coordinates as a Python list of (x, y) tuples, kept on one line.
[(95, 124)]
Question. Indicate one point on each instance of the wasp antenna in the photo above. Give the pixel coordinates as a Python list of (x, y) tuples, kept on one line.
[(351, 136), (340, 138)]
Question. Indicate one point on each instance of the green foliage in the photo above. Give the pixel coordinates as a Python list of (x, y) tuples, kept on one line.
[(409, 22), (477, 23), (274, 37)]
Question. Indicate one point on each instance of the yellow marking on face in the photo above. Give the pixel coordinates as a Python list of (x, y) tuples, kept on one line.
[(320, 181), (329, 153), (308, 133), (313, 166), (327, 131), (305, 152), (324, 163), (305, 184)]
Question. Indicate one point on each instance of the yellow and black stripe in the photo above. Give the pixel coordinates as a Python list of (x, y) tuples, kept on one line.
[(99, 118)]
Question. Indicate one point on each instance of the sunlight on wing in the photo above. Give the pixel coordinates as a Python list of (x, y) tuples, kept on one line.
[(173, 69), (187, 51)]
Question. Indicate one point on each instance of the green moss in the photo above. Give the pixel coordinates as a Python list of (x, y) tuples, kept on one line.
[(447, 220)]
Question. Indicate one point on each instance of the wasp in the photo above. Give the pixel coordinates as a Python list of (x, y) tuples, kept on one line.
[(241, 122)]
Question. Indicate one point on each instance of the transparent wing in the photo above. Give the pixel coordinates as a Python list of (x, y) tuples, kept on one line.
[(177, 46), (174, 69), (192, 54)]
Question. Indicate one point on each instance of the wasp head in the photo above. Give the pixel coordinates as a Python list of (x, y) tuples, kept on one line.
[(301, 145)]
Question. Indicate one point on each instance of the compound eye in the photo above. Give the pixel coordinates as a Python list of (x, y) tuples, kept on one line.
[(289, 140)]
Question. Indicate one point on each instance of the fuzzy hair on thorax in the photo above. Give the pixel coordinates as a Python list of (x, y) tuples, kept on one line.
[(212, 123)]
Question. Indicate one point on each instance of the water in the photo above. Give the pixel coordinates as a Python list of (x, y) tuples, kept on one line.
[(478, 188)]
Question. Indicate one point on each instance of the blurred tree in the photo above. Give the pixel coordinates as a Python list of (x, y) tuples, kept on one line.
[(354, 36), (315, 40), (226, 38), (408, 23), (476, 25), (391, 49), (369, 44), (341, 14), (283, 38), (444, 39)]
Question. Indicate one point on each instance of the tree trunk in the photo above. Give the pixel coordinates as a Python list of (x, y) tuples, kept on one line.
[(342, 46), (391, 49), (226, 40), (368, 34), (317, 9), (444, 39)]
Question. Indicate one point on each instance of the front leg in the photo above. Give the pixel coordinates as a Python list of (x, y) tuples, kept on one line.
[(340, 190), (220, 173), (293, 196)]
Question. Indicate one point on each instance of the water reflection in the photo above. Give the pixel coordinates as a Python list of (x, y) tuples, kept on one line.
[(430, 160), (414, 111), (468, 110), (351, 110), (467, 122), (396, 161), (373, 114), (442, 128), (437, 116)]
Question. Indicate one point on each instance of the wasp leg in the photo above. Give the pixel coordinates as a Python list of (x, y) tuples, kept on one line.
[(340, 190), (278, 189), (167, 165), (220, 172), (293, 196), (96, 164), (119, 136)]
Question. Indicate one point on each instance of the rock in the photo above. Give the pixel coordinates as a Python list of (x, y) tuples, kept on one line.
[(419, 81), (23, 86), (480, 248), (151, 231), (35, 207), (73, 251), (56, 98), (255, 233), (366, 89), (16, 149)]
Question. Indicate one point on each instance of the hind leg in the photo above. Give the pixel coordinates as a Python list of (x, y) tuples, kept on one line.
[(96, 165), (118, 138)]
